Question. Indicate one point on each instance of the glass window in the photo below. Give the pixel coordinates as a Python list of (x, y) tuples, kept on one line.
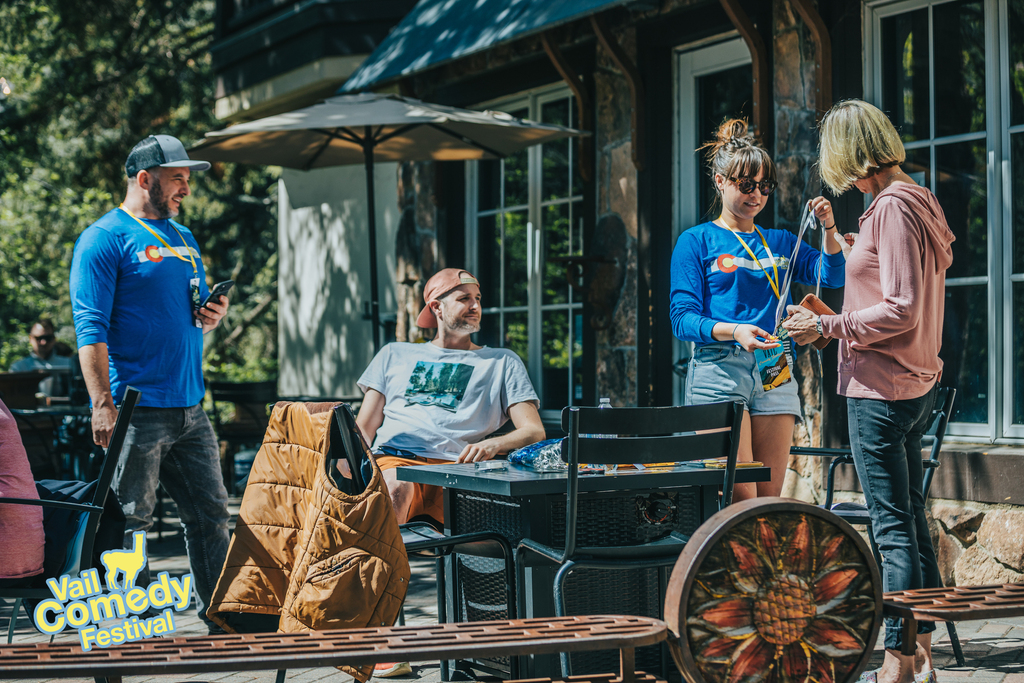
[(931, 83), (905, 76), (958, 30), (721, 95), (1015, 61), (528, 209)]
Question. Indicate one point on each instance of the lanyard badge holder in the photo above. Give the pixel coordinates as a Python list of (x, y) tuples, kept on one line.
[(771, 374), (193, 283), (772, 364)]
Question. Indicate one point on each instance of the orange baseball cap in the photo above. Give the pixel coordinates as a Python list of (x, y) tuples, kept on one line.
[(437, 286)]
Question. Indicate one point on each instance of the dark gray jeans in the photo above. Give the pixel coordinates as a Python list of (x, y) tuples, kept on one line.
[(886, 440), (177, 447)]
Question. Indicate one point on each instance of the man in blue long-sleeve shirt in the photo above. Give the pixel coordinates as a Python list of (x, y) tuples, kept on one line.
[(137, 282)]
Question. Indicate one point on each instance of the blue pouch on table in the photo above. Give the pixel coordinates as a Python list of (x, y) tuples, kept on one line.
[(543, 456)]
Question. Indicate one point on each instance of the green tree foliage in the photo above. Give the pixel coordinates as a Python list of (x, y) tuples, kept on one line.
[(90, 78)]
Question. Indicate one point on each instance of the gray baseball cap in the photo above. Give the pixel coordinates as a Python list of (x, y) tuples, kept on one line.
[(160, 150)]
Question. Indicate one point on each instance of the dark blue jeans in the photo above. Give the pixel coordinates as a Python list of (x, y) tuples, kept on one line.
[(177, 448), (886, 440)]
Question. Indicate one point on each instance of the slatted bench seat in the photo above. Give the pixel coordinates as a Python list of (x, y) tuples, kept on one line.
[(760, 577), (270, 651), (956, 603)]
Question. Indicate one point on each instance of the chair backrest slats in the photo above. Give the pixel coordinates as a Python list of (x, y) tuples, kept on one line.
[(110, 458), (651, 449), (650, 421), (655, 435), (117, 437), (943, 409)]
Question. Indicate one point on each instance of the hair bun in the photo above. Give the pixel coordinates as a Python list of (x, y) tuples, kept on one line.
[(733, 130)]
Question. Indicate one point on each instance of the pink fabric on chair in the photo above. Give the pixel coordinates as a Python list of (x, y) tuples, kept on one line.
[(21, 526)]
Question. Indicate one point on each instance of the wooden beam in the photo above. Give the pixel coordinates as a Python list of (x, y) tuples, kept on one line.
[(823, 55), (583, 102), (636, 86), (758, 64)]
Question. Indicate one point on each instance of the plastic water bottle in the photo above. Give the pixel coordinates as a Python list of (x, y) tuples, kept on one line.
[(605, 403)]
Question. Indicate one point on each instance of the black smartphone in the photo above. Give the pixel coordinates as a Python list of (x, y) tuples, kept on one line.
[(219, 289)]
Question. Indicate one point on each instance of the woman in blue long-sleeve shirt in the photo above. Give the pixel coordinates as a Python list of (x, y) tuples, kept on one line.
[(727, 277)]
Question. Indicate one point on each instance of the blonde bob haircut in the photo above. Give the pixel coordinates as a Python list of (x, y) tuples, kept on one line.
[(857, 141)]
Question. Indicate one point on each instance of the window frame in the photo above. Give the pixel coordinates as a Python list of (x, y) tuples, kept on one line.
[(999, 428), (533, 101)]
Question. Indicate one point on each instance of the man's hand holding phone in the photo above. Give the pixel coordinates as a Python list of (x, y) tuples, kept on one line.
[(215, 307)]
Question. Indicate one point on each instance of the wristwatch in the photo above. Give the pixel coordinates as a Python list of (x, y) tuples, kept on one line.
[(817, 326)]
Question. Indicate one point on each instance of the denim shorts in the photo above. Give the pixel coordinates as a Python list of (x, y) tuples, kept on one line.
[(723, 371)]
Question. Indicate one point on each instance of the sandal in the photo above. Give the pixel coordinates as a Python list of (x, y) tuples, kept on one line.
[(392, 670)]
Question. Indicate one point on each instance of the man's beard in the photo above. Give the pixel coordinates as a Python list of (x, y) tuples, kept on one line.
[(158, 202), (454, 324)]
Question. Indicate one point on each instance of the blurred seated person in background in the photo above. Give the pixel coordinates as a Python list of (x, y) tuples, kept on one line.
[(44, 356), (21, 526), (436, 403)]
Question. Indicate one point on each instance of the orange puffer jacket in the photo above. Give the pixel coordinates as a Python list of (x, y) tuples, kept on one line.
[(305, 556)]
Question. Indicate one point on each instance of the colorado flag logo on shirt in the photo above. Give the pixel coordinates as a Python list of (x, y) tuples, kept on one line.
[(157, 254)]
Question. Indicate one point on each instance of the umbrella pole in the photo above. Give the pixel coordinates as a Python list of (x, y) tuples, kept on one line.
[(372, 221)]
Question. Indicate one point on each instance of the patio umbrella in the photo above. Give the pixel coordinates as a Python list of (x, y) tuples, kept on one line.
[(367, 127)]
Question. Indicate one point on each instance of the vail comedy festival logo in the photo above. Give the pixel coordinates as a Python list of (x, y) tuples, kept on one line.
[(82, 604)]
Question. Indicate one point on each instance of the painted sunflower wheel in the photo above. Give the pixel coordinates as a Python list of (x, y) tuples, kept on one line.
[(772, 590)]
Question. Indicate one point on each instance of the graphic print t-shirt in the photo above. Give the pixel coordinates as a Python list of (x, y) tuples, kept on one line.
[(439, 400)]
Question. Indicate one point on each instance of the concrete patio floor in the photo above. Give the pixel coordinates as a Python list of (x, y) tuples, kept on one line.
[(994, 649)]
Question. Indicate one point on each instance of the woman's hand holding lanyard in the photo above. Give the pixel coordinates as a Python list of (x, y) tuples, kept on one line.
[(752, 337)]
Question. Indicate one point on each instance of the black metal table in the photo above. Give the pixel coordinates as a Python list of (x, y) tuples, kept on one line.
[(613, 509)]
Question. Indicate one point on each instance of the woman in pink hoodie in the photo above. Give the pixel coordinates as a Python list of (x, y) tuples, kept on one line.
[(890, 331)]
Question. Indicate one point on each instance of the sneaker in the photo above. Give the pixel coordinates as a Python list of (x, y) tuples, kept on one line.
[(391, 670)]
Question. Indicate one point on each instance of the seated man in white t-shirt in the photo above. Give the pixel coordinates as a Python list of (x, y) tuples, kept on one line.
[(437, 402)]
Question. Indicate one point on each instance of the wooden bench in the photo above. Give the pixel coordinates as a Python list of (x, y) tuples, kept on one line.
[(760, 577), (956, 603), (279, 651)]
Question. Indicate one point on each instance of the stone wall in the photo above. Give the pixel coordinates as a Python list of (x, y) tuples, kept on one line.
[(617, 223), (795, 155), (976, 543)]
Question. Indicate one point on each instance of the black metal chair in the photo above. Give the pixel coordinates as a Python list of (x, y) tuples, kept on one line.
[(79, 551), (422, 538), (644, 436), (857, 513), (250, 421)]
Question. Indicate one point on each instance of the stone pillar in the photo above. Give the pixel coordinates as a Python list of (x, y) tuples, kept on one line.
[(616, 225), (795, 155), (415, 244)]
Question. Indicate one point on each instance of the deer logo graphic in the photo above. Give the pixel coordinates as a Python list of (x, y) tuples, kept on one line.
[(127, 562)]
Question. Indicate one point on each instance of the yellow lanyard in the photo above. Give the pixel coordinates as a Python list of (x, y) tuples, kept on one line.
[(195, 270), (774, 283)]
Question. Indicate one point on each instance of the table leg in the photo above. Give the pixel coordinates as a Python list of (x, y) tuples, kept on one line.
[(708, 501), (909, 636), (627, 665)]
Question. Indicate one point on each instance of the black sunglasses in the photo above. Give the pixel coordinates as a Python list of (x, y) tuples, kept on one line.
[(747, 185), (45, 338)]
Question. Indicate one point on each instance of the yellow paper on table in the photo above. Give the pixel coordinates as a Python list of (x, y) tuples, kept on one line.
[(720, 464)]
